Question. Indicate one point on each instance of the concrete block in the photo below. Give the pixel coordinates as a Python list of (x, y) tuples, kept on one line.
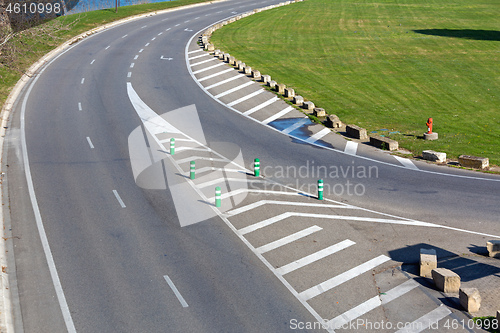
[(383, 142), (248, 70), (474, 161), (319, 112), (431, 155), (446, 280), (237, 63), (470, 299), (289, 92), (226, 57), (308, 105), (493, 247), (256, 75), (498, 316), (356, 132), (298, 100), (217, 53), (221, 55), (210, 47), (241, 66), (333, 121), (266, 78), (272, 84), (204, 39), (232, 60), (428, 262), (430, 136), (280, 88)]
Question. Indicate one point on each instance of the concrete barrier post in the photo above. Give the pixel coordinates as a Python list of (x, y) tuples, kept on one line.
[(428, 262), (493, 247), (192, 170), (298, 100), (266, 78), (470, 299), (320, 189), (256, 167), (446, 280), (218, 195), (289, 92), (172, 146)]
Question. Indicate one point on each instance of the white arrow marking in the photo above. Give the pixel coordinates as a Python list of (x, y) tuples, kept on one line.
[(189, 30), (163, 58)]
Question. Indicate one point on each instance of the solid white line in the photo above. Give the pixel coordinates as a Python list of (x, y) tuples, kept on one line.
[(277, 115), (200, 56), (224, 81), (140, 51), (208, 68), (63, 304), (79, 106), (407, 163), (351, 147), (195, 51), (203, 62), (244, 98), (107, 47), (314, 257), (136, 56), (216, 74), (90, 143), (372, 303), (120, 201), (129, 74), (261, 106), (176, 291), (132, 65), (427, 320), (92, 62), (341, 278), (288, 239), (295, 126), (285, 203), (83, 80), (230, 91), (318, 135)]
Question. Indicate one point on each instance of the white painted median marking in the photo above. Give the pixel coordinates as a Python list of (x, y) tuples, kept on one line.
[(129, 74), (224, 81), (351, 147), (407, 163), (92, 62), (318, 135), (314, 257), (146, 45), (209, 68), (140, 51), (288, 239), (195, 51), (137, 56), (200, 56), (244, 98), (160, 33), (216, 74), (372, 303), (176, 291), (203, 62), (120, 201), (143, 26), (83, 80), (90, 143), (107, 47), (124, 36), (341, 278), (261, 106), (230, 91), (177, 25), (79, 106), (427, 320), (285, 203), (295, 126), (277, 115), (132, 65)]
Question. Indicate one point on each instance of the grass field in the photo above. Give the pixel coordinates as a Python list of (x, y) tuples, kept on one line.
[(387, 64), (26, 47)]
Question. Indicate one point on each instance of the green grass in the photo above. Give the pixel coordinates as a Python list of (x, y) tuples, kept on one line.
[(385, 64), (27, 46)]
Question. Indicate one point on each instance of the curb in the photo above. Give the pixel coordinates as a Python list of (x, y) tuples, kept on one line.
[(6, 309)]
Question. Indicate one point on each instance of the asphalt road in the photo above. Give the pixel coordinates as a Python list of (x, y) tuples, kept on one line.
[(113, 243)]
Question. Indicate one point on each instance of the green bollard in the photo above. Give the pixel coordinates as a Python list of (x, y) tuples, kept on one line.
[(172, 146), (192, 173), (217, 197), (320, 189), (256, 167)]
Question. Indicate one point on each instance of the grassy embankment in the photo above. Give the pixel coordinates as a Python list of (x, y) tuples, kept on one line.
[(27, 46), (387, 64)]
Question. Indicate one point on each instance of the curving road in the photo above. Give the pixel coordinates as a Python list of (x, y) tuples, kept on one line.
[(115, 258)]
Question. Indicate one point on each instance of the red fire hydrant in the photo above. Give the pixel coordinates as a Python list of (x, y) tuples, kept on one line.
[(429, 126)]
